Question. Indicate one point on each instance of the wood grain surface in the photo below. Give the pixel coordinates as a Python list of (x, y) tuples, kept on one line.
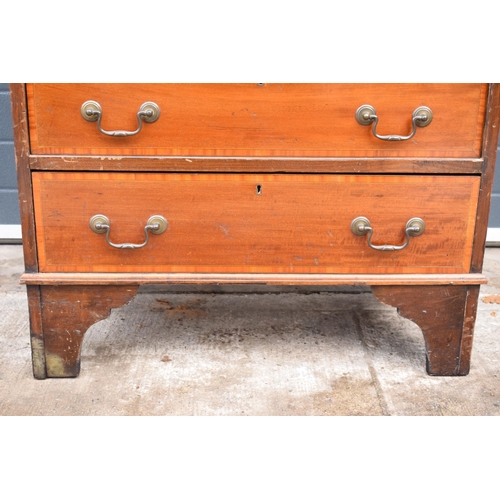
[(287, 120), (490, 146), (446, 315), (249, 279), (36, 332), (67, 313), (218, 223), (258, 165), (22, 152)]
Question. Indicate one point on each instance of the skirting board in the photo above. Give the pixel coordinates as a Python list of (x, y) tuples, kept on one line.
[(493, 237), (11, 233)]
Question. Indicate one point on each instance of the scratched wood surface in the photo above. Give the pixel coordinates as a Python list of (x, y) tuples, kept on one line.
[(490, 145), (309, 165), (308, 279), (22, 151), (219, 222), (67, 312), (288, 120), (446, 315)]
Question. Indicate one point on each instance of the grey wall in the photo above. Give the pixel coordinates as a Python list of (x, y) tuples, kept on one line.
[(9, 209), (495, 198)]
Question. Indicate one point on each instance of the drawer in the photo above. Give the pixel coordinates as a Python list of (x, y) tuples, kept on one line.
[(255, 120), (254, 223)]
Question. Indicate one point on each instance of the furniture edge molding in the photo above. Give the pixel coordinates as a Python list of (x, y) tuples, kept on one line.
[(490, 145), (22, 152), (56, 279)]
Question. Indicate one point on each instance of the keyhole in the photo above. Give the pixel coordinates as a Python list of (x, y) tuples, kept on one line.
[(258, 189)]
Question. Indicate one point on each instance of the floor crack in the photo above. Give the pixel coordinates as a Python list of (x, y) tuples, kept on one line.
[(373, 373)]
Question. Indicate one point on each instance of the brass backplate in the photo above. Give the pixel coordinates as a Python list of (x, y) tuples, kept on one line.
[(359, 225), (423, 110), (155, 111), (98, 219), (416, 222), (161, 221), (363, 114), (88, 106)]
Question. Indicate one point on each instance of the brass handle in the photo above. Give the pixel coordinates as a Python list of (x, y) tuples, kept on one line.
[(366, 114), (149, 112), (100, 224), (361, 226)]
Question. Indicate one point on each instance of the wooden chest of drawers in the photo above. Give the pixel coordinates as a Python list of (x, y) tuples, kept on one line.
[(377, 184)]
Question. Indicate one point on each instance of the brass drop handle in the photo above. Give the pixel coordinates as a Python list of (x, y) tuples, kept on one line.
[(100, 224), (149, 112), (366, 114), (361, 226)]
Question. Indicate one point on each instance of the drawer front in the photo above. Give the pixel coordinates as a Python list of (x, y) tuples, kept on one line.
[(253, 120), (254, 223)]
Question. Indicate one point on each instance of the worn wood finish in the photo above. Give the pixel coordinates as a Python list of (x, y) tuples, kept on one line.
[(249, 279), (21, 143), (218, 222), (199, 166), (36, 332), (315, 120), (446, 315), (489, 153), (260, 165), (67, 313)]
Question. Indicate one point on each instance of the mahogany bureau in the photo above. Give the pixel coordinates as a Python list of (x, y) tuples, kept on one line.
[(386, 185)]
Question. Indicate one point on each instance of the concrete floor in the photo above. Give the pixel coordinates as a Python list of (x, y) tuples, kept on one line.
[(249, 351)]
